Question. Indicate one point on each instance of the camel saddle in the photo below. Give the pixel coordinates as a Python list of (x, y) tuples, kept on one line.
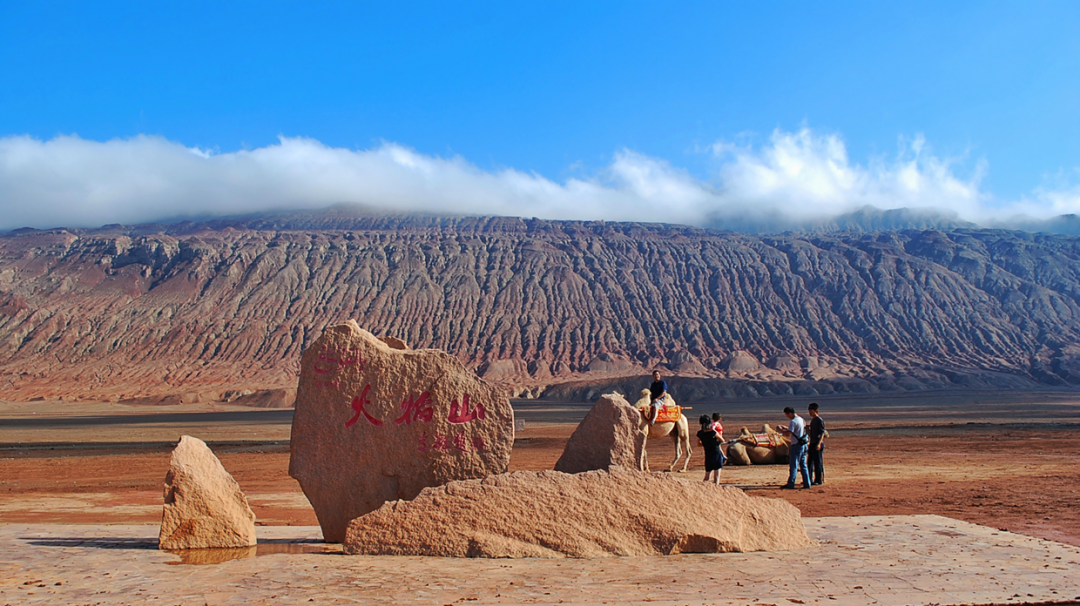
[(669, 413), (765, 439)]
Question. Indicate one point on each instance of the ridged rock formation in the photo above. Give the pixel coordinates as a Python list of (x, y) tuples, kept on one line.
[(616, 512), (190, 311)]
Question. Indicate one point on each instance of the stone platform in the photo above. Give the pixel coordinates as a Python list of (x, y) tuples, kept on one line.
[(861, 560)]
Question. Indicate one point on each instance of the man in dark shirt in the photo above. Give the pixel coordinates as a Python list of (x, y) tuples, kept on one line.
[(657, 392), (816, 445)]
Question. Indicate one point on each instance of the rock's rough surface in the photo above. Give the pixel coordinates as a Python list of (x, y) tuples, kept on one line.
[(374, 423), (393, 342), (204, 506), (609, 435), (598, 513)]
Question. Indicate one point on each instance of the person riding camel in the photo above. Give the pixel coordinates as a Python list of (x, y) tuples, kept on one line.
[(657, 392)]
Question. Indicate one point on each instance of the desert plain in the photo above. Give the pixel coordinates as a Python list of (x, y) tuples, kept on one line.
[(1007, 462)]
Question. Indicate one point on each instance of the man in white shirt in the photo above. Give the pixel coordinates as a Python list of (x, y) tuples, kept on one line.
[(796, 429)]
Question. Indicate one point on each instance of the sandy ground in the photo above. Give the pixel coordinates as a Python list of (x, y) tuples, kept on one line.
[(858, 561), (1008, 462)]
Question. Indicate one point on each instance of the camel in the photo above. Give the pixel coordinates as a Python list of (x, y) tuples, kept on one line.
[(765, 448), (678, 431)]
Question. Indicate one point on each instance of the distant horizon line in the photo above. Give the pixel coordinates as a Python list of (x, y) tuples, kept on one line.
[(938, 219)]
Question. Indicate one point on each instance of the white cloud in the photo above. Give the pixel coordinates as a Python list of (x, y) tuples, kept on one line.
[(76, 182), (804, 175)]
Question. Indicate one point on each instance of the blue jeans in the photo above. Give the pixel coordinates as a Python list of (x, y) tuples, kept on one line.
[(797, 462)]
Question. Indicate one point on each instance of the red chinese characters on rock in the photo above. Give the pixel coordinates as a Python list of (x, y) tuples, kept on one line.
[(460, 414), (460, 443), (442, 443), (331, 360), (416, 409), (438, 443), (358, 404), (421, 409)]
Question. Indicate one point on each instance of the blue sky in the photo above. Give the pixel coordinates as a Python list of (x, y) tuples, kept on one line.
[(982, 96)]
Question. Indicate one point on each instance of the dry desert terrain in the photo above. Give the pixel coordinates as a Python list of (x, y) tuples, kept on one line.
[(1009, 461)]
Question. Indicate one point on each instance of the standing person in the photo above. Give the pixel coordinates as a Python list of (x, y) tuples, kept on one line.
[(657, 392), (797, 451), (816, 445), (710, 443)]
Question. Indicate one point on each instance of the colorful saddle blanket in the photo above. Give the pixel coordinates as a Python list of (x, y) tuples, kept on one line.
[(765, 439), (669, 413)]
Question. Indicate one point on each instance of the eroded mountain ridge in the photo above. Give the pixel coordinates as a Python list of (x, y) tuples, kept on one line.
[(216, 309)]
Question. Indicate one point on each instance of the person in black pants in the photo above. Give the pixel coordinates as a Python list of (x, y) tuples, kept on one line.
[(710, 442), (816, 445)]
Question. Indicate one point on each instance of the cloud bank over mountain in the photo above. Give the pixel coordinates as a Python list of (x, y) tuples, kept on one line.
[(795, 176)]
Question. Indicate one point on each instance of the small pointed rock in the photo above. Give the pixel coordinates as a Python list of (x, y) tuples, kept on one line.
[(609, 435), (204, 506)]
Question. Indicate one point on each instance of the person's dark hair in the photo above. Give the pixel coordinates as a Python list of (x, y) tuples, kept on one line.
[(656, 372), (704, 419), (715, 416), (789, 409), (812, 406)]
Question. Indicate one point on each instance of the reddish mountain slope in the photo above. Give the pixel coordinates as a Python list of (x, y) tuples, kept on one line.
[(224, 306)]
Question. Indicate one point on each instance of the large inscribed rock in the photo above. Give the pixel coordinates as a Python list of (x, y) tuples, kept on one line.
[(376, 423), (609, 435), (204, 506), (528, 514)]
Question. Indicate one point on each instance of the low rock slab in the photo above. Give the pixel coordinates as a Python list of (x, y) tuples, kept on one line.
[(609, 435), (616, 512), (204, 506), (377, 422)]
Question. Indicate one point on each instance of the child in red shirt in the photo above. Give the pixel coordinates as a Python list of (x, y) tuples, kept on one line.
[(718, 425)]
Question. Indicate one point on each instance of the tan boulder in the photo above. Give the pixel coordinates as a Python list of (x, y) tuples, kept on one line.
[(204, 506), (609, 435), (598, 513), (375, 423)]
